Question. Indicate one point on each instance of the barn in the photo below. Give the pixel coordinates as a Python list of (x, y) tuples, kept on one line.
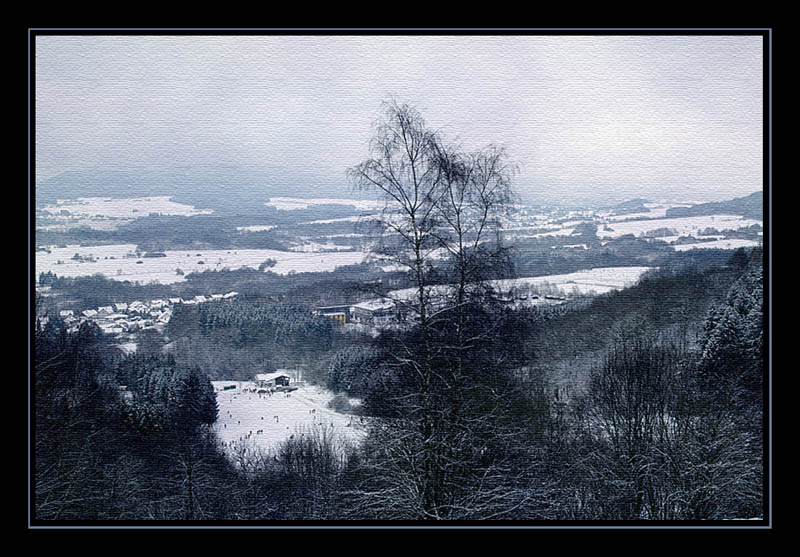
[(340, 314), (377, 312), (272, 380)]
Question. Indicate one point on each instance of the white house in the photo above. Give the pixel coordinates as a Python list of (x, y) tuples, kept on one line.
[(379, 311), (269, 380)]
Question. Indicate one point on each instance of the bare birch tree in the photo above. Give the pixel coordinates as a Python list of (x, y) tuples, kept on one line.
[(442, 454)]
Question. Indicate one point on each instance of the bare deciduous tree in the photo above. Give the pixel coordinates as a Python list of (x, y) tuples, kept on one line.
[(445, 452)]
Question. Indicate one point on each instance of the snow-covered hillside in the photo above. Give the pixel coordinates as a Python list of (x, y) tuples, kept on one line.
[(262, 421)]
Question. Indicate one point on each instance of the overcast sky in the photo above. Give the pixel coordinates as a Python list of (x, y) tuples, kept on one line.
[(670, 118)]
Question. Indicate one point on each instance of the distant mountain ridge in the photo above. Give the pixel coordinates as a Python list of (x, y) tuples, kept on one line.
[(630, 206), (224, 189), (751, 206)]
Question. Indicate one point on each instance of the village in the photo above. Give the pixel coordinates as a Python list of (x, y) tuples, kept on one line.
[(122, 318)]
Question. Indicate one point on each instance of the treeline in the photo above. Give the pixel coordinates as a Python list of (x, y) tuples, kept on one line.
[(237, 339), (93, 291), (102, 453), (344, 285), (751, 206), (536, 257), (272, 326), (168, 232), (670, 430), (675, 297)]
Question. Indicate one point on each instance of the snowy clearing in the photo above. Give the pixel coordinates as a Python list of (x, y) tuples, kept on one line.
[(256, 228), (684, 226), (131, 207), (356, 218), (316, 247), (555, 233), (242, 415), (119, 262), (293, 203), (599, 280), (717, 244)]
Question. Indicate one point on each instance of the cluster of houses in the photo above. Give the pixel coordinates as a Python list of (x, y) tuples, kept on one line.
[(278, 380), (386, 312), (382, 311), (130, 317)]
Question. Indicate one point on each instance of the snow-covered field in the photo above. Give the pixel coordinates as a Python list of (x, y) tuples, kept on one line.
[(599, 280), (717, 244), (593, 281), (122, 208), (555, 233), (316, 247), (256, 228), (119, 262), (684, 226), (293, 203), (575, 246), (264, 421), (356, 218)]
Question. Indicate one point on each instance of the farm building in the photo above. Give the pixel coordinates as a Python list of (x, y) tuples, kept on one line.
[(337, 313), (380, 311), (270, 380)]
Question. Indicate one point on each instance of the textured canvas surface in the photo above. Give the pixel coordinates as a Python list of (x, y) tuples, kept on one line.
[(470, 278)]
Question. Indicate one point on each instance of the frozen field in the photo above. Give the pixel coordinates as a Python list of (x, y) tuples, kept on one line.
[(684, 226), (256, 228), (357, 218), (122, 208), (717, 244), (119, 262), (293, 203), (555, 233), (593, 281), (262, 422), (316, 247), (550, 289)]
